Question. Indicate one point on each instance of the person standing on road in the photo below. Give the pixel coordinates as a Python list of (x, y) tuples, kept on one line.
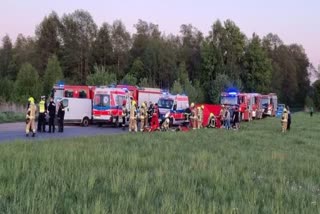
[(289, 118), (61, 112), (52, 115), (42, 115), (31, 116), (133, 116), (143, 111), (124, 114)]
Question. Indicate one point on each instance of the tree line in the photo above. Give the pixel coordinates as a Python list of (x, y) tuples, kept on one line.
[(72, 47)]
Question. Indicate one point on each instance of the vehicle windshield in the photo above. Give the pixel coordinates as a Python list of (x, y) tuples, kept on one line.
[(165, 103), (229, 100), (265, 102), (101, 100)]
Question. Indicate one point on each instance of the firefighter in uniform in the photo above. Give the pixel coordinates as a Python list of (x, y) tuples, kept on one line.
[(211, 121), (146, 117), (133, 117), (200, 116), (42, 115), (193, 116), (31, 115), (61, 112), (124, 114), (52, 115), (143, 111), (284, 120)]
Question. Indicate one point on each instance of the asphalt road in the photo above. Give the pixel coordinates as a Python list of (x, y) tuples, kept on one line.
[(10, 132)]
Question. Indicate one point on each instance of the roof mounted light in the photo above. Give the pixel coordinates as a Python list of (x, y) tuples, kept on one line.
[(232, 93)]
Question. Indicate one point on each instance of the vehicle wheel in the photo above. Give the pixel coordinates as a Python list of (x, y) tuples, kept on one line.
[(99, 124), (117, 124), (85, 122)]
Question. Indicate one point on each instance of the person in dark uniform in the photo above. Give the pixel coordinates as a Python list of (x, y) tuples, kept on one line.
[(150, 112), (289, 118), (52, 115), (235, 118), (124, 114), (61, 116)]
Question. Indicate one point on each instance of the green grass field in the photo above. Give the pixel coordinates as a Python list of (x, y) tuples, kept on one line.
[(254, 170)]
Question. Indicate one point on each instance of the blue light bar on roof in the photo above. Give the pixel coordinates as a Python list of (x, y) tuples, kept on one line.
[(232, 93)]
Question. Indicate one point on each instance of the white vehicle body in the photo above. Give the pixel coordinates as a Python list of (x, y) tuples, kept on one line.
[(76, 110), (175, 105), (149, 95)]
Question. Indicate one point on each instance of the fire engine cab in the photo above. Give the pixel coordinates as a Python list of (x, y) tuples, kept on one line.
[(107, 105), (269, 104), (241, 100), (254, 102), (176, 105)]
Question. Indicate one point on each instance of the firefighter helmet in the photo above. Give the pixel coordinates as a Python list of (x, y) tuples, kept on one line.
[(192, 105), (31, 100)]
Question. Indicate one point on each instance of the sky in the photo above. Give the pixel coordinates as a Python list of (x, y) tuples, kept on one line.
[(295, 21)]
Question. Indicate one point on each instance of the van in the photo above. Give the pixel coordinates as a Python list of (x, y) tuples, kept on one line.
[(76, 110)]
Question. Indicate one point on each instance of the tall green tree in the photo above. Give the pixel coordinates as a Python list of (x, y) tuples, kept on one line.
[(257, 67), (48, 40), (27, 83), (6, 55), (191, 49), (52, 74), (102, 47), (121, 42), (78, 31)]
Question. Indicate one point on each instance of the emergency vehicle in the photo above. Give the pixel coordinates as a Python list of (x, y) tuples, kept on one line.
[(141, 95), (269, 104), (176, 105), (231, 99), (254, 102), (107, 105), (77, 101)]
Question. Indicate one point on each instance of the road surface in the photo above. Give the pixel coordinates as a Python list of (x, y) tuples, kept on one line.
[(10, 132)]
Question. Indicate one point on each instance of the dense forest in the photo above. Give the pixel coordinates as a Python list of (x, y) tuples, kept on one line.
[(75, 49)]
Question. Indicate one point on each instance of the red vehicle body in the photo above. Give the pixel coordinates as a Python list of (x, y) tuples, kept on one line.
[(255, 103), (73, 91), (142, 94), (231, 99), (208, 109), (269, 104)]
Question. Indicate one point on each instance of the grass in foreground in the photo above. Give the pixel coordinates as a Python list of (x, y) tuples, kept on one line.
[(255, 170)]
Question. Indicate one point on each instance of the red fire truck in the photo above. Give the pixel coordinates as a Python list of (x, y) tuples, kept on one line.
[(254, 102), (142, 94), (269, 104), (208, 109), (231, 99)]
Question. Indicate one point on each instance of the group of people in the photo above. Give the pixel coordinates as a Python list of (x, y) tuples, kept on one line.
[(44, 109), (148, 116), (230, 117)]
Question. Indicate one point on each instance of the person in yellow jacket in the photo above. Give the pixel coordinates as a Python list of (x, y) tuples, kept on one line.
[(284, 120), (146, 117), (143, 112), (42, 115), (200, 116), (31, 116), (133, 117), (193, 117)]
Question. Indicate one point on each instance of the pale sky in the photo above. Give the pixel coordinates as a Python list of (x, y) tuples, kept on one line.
[(295, 21)]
